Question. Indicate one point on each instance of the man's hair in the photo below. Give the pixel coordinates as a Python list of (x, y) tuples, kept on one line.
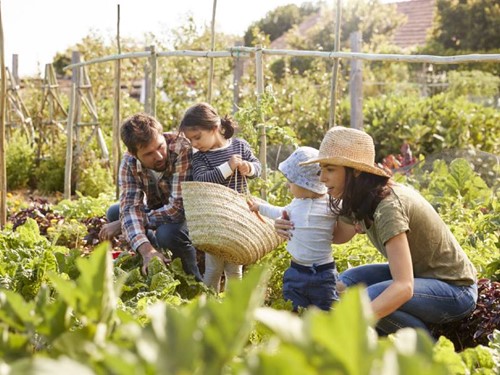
[(139, 130)]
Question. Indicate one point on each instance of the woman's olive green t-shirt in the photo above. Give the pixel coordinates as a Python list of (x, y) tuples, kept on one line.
[(434, 250)]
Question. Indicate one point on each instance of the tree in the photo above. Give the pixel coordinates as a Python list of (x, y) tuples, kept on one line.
[(470, 25), (279, 21), (376, 21)]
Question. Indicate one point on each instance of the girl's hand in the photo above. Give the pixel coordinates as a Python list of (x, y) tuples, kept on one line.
[(284, 226), (235, 161), (245, 168)]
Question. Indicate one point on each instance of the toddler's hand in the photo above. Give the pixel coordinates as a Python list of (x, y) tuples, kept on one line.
[(253, 205)]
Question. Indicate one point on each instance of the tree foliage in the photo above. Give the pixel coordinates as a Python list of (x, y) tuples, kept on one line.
[(467, 25), (278, 21), (377, 23)]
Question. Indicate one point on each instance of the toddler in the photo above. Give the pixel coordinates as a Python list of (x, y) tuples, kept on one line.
[(311, 277)]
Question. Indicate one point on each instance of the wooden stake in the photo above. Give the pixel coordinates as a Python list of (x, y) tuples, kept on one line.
[(212, 47), (259, 71), (116, 110), (356, 83), (335, 69), (3, 92)]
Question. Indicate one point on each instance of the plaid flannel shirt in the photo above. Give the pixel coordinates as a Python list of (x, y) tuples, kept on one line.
[(145, 201)]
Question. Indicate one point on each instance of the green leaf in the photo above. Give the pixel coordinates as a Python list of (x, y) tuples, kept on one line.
[(98, 296), (30, 234), (15, 311), (54, 315), (48, 366), (289, 359), (444, 352), (348, 324), (13, 345), (230, 321)]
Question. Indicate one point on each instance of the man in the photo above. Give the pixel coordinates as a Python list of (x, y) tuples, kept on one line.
[(150, 179)]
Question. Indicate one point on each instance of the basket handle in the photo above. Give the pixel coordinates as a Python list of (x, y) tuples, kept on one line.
[(243, 177)]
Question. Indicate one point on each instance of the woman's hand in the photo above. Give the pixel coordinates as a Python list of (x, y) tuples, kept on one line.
[(284, 226)]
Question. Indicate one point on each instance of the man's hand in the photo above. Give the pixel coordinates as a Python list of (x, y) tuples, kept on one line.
[(110, 230), (148, 252)]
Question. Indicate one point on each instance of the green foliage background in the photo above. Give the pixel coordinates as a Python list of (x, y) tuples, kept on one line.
[(60, 308)]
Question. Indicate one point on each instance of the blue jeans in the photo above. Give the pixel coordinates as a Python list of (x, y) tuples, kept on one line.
[(172, 236), (434, 301), (315, 285)]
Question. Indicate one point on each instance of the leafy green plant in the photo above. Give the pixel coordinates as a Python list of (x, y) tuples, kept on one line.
[(49, 172), (20, 162), (95, 179)]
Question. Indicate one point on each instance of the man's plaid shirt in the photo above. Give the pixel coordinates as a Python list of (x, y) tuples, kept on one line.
[(145, 201)]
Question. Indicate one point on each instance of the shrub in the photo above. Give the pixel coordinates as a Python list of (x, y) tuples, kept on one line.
[(19, 163), (95, 179), (49, 173)]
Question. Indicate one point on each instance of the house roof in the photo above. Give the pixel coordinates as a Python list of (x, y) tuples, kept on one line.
[(420, 15), (303, 28)]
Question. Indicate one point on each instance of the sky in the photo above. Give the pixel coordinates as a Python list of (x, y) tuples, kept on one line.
[(36, 30)]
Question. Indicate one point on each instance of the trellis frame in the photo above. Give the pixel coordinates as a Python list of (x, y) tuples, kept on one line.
[(259, 52)]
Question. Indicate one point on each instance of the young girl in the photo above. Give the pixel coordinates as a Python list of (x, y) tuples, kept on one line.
[(428, 277), (216, 159), (311, 277)]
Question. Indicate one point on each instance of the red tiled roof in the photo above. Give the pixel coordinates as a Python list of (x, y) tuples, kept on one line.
[(420, 15), (303, 28)]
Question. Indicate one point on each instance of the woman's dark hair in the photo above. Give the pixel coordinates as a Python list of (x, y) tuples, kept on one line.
[(203, 116), (361, 196)]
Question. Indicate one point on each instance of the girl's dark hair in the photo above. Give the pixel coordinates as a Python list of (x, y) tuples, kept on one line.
[(361, 196), (203, 116)]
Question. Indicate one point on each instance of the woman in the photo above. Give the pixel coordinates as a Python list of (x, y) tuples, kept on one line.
[(428, 277)]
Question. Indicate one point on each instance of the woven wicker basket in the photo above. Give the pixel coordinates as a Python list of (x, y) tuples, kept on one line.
[(220, 223)]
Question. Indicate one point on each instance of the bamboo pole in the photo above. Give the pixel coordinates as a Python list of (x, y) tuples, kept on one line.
[(73, 117), (3, 103), (237, 74), (212, 48), (247, 51), (356, 84), (152, 95), (259, 71), (80, 82), (147, 83), (15, 69), (335, 69), (116, 109), (69, 142)]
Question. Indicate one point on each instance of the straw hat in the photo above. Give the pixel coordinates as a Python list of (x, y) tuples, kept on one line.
[(348, 147)]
